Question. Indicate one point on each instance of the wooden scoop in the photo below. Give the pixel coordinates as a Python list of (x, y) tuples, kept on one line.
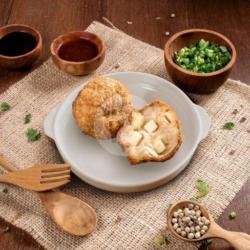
[(240, 241), (71, 214)]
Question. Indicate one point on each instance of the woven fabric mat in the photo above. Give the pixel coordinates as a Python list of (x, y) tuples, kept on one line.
[(125, 221)]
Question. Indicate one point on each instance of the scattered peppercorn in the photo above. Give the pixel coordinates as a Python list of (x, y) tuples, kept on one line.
[(243, 119), (5, 190), (6, 230), (235, 111), (117, 66), (231, 152), (118, 219)]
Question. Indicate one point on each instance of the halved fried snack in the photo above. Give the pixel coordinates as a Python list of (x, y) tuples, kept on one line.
[(151, 134), (101, 107)]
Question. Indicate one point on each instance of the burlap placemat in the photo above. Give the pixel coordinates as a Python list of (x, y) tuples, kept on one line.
[(125, 221)]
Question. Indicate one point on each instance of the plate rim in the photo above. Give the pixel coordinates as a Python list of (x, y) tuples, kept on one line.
[(105, 185)]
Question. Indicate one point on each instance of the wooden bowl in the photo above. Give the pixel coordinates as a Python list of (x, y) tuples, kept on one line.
[(201, 83), (79, 67), (24, 60)]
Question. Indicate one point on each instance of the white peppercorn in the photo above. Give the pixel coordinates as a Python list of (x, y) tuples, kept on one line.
[(198, 213), (207, 222), (201, 223), (190, 223), (174, 220), (202, 232), (190, 235), (183, 233), (187, 229), (179, 211), (197, 235), (190, 205), (205, 228), (203, 218), (192, 229), (196, 207), (178, 230), (175, 214), (197, 228), (175, 226), (181, 215)]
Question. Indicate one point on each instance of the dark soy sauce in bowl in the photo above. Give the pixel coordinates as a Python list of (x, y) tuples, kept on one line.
[(17, 43), (78, 50)]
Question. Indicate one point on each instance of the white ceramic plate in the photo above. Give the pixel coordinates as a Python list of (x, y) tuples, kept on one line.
[(102, 163)]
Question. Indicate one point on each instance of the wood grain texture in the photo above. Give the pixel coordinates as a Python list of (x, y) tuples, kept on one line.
[(52, 18)]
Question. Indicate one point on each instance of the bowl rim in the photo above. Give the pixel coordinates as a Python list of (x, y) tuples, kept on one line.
[(77, 32), (214, 73), (19, 28)]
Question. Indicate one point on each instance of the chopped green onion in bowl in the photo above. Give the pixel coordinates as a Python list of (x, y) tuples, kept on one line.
[(202, 57)]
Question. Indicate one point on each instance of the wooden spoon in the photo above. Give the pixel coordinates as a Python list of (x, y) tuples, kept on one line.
[(240, 241), (71, 214)]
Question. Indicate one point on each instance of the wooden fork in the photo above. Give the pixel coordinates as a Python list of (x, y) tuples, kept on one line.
[(39, 177)]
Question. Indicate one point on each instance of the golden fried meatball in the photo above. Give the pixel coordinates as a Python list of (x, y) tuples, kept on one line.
[(102, 107)]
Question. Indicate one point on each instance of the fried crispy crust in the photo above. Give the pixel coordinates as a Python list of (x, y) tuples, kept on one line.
[(102, 107), (136, 159)]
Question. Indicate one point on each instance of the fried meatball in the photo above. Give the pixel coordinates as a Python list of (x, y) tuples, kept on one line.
[(102, 107)]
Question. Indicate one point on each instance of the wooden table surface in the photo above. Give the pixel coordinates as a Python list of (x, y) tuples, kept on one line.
[(55, 17)]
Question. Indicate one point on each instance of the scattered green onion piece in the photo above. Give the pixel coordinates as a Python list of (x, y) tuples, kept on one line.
[(160, 240), (33, 134), (27, 118), (228, 125), (5, 106), (232, 215)]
